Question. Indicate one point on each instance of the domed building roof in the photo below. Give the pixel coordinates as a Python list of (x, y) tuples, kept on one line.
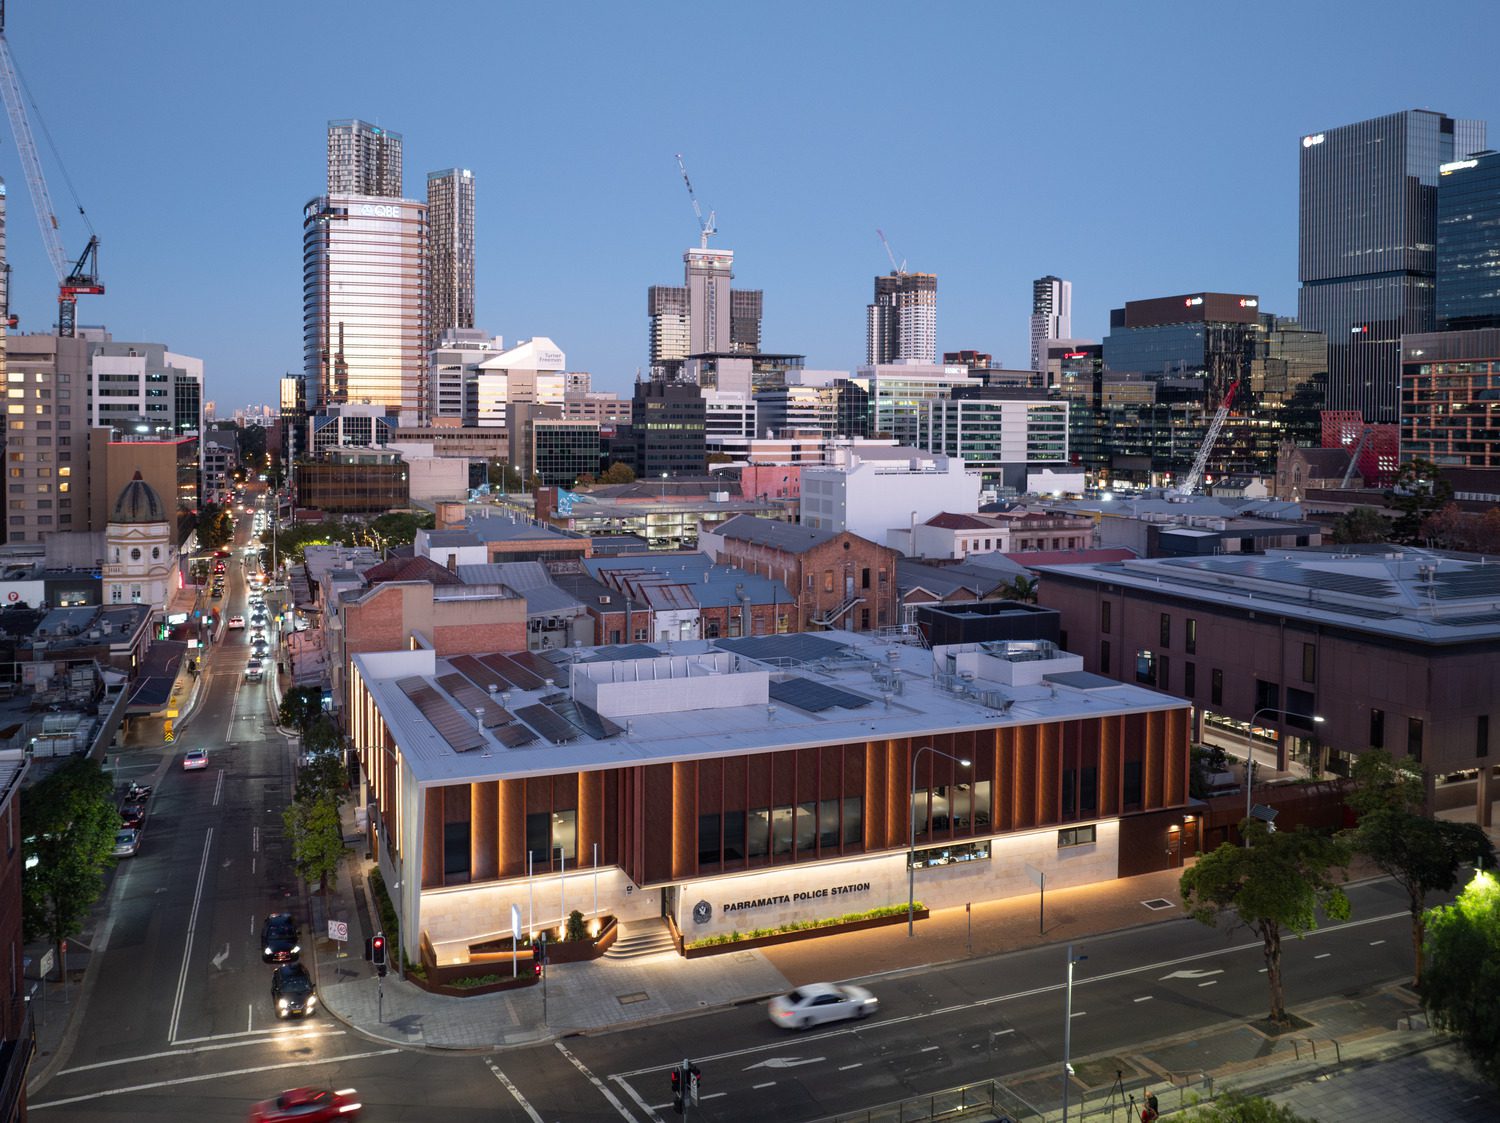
[(138, 503)]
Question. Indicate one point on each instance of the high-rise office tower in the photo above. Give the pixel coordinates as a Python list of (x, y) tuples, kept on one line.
[(1468, 243), (364, 334), (1366, 236), (901, 324), (363, 159), (450, 252), (704, 315), (1051, 314)]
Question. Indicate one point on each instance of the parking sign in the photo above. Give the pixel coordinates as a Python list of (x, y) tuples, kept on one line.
[(338, 930)]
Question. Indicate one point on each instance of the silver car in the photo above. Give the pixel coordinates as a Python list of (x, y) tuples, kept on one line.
[(127, 842)]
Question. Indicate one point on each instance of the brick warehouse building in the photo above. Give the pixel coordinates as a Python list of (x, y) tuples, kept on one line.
[(1395, 648), (840, 580), (676, 785)]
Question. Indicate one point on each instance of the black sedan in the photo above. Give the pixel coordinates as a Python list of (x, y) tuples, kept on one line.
[(292, 990), (278, 939)]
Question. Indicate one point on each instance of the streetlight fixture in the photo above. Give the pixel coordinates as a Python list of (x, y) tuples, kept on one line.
[(911, 853), (1250, 749), (1067, 1073)]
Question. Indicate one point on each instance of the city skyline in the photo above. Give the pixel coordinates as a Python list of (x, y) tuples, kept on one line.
[(584, 208)]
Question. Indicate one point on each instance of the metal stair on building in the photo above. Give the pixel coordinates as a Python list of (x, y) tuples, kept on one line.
[(641, 937), (829, 619)]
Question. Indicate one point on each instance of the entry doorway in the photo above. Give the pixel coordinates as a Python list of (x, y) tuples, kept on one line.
[(1174, 847), (669, 902)]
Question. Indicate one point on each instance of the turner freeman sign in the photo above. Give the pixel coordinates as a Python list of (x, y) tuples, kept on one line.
[(793, 898)]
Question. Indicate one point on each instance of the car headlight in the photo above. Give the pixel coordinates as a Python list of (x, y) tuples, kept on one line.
[(296, 949), (268, 951), (312, 1000), (283, 1004)]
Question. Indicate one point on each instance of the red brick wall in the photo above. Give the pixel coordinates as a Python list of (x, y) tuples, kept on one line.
[(479, 638), (377, 623), (831, 566)]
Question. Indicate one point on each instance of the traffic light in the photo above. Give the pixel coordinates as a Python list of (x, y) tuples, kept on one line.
[(693, 1078), (369, 948), (538, 958), (677, 1091), (377, 952)]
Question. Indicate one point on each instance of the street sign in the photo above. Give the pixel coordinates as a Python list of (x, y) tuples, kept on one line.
[(338, 930), (515, 922)]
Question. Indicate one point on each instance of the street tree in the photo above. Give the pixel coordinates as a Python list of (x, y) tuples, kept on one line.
[(317, 836), (1362, 525), (618, 473), (1463, 972), (1423, 854), (1022, 589), (301, 706), (68, 824), (1274, 886), (1418, 493), (399, 528)]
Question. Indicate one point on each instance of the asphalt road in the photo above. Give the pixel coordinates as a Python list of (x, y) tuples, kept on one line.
[(179, 1023)]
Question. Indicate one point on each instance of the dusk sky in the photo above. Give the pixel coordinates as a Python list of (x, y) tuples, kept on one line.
[(1137, 150)]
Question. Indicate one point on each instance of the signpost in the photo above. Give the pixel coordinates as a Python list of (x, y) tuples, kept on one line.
[(1039, 879), (515, 936), (338, 930)]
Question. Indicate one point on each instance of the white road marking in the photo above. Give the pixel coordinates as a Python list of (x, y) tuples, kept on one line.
[(867, 1027), (221, 957), (187, 946), (1376, 943), (1192, 974), (1325, 955), (1210, 983), (767, 1084), (597, 1083), (842, 1068), (206, 1076), (1143, 998), (642, 1104), (514, 1091), (788, 1062), (713, 1096), (250, 1018), (1078, 1013), (219, 788), (254, 840), (205, 1049), (930, 1049)]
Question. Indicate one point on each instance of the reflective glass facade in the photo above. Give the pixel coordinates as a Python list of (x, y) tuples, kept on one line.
[(450, 252), (1468, 243), (1367, 246), (363, 301), (1450, 398), (563, 450), (363, 159)]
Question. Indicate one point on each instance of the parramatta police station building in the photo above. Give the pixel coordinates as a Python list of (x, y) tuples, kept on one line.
[(745, 783)]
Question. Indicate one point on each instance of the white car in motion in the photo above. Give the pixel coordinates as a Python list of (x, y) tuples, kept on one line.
[(821, 1002)]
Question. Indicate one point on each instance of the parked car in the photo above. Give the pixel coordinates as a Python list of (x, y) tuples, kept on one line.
[(133, 815), (236, 621), (194, 759), (127, 842), (307, 1105), (292, 991), (278, 938), (821, 1002)]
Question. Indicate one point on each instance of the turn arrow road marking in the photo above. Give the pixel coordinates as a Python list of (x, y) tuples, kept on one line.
[(1192, 974), (785, 1062)]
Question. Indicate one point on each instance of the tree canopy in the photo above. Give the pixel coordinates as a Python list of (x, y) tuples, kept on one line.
[(215, 526), (1463, 972), (312, 819), (618, 473), (1418, 493), (1423, 854), (1275, 885), (1360, 526), (301, 706), (68, 823), (1236, 1107)]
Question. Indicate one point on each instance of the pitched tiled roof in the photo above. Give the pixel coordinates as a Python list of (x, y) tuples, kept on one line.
[(1326, 463), (950, 521), (411, 569), (777, 535)]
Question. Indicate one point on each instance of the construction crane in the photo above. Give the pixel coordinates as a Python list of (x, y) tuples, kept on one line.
[(1364, 439), (74, 278), (1194, 477), (706, 226), (898, 270)]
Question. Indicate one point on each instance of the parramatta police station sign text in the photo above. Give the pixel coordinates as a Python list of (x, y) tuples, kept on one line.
[(805, 895)]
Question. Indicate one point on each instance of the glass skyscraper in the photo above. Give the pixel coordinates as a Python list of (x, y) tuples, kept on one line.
[(450, 252), (1366, 246), (363, 159), (1468, 243), (363, 302)]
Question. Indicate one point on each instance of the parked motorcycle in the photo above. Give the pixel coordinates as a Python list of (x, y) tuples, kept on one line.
[(137, 792)]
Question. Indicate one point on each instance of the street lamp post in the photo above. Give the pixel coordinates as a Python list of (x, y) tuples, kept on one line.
[(1067, 1072), (1250, 750), (911, 853)]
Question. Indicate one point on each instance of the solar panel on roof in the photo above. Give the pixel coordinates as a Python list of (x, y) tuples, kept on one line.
[(814, 697), (617, 652), (521, 676), (595, 724), (542, 668), (452, 726), (478, 673), (515, 735), (558, 730), (472, 699), (797, 647), (1479, 581)]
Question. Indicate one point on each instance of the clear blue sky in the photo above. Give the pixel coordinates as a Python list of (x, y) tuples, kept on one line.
[(1136, 149)]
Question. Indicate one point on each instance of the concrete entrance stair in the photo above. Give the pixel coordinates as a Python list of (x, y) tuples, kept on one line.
[(641, 937)]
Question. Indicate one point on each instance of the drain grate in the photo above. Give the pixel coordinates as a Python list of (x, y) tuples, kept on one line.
[(628, 999), (1156, 904)]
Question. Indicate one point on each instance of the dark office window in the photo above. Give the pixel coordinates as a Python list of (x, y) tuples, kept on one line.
[(1309, 662), (760, 832), (1414, 738), (1189, 679), (1377, 729), (709, 852), (1301, 708), (864, 578), (854, 822), (456, 853), (781, 831), (1132, 784), (1216, 687), (1267, 696), (1077, 836), (1166, 630), (1482, 736), (539, 838), (734, 836), (1088, 792), (1163, 673), (1062, 640), (1104, 657), (1145, 667), (1104, 617), (828, 824), (1191, 636)]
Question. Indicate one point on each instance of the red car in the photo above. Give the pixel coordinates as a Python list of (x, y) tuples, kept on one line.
[(307, 1105)]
